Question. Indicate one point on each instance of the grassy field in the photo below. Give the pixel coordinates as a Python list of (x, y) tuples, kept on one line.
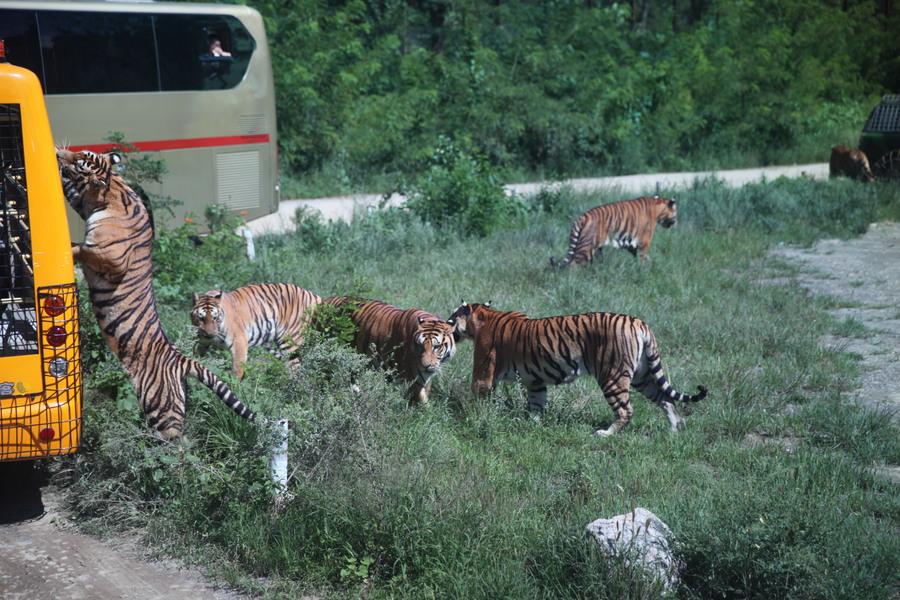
[(768, 490)]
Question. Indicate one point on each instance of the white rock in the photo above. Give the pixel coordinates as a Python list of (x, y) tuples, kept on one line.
[(641, 537)]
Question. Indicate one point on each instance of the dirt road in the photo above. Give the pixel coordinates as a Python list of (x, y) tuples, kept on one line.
[(43, 556), (342, 207), (864, 274)]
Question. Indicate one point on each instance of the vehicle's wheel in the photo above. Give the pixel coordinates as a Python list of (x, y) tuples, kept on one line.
[(888, 166)]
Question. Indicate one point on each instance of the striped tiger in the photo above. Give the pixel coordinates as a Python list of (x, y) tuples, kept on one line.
[(619, 351), (253, 315), (115, 258), (413, 342), (628, 224)]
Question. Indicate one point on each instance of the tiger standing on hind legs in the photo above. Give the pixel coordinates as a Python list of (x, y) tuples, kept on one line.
[(628, 224), (619, 351), (117, 265)]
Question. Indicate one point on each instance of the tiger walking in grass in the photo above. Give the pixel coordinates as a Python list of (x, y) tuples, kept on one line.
[(253, 315), (619, 351), (413, 342), (628, 224)]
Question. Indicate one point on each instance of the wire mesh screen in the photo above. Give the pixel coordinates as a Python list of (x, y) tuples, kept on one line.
[(18, 324), (37, 425), (885, 117)]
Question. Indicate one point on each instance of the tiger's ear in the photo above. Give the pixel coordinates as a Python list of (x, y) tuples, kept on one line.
[(196, 297), (115, 158), (216, 294), (488, 303), (671, 203), (421, 319), (451, 321)]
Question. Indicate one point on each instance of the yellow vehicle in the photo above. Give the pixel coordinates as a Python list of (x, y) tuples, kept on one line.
[(40, 362)]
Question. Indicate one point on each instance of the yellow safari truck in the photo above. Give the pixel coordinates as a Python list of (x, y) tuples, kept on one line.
[(40, 362)]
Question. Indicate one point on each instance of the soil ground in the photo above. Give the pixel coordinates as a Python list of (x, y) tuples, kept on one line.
[(863, 275), (43, 555)]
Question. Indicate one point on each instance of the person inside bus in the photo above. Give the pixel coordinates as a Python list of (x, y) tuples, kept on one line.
[(215, 47)]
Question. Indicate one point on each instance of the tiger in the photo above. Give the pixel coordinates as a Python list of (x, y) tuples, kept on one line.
[(850, 162), (413, 342), (619, 351), (253, 315), (627, 224), (116, 261)]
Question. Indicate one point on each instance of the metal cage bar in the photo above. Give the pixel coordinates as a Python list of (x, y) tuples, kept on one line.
[(18, 323)]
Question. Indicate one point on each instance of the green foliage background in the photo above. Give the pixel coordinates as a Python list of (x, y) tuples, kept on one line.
[(365, 88)]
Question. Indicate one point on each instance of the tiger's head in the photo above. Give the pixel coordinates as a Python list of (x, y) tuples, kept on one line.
[(467, 319), (433, 345), (207, 315), (668, 212), (86, 178)]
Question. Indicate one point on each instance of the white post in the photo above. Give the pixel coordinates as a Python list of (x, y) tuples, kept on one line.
[(245, 233), (278, 463)]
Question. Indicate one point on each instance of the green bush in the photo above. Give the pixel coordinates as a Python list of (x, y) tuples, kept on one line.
[(458, 190)]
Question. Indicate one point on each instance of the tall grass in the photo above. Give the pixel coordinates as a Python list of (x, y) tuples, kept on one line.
[(471, 499)]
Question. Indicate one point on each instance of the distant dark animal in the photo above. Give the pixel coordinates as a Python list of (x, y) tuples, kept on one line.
[(627, 224), (850, 162)]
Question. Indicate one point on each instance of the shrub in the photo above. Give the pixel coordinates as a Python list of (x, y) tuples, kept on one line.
[(459, 191)]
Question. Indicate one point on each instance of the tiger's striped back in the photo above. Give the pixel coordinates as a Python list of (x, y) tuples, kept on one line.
[(253, 315), (117, 265), (617, 350), (413, 342), (628, 224)]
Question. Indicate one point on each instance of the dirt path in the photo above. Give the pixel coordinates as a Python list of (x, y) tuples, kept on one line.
[(864, 275), (342, 207), (44, 557)]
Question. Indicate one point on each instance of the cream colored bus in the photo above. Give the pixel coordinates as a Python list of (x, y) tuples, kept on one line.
[(192, 82)]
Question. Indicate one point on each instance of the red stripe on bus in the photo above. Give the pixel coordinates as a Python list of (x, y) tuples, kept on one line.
[(183, 144)]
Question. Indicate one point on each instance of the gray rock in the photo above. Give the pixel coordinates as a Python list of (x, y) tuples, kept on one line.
[(640, 538)]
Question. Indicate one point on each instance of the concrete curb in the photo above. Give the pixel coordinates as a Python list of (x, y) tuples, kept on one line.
[(343, 207)]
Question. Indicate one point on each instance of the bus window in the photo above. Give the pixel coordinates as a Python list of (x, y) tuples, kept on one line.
[(95, 53), (186, 61), (18, 323), (19, 29)]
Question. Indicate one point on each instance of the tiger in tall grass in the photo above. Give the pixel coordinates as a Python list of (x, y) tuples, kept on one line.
[(628, 224), (253, 315), (618, 351), (115, 258), (413, 342)]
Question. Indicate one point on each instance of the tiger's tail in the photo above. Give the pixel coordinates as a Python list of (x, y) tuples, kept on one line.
[(210, 380), (656, 371), (574, 238)]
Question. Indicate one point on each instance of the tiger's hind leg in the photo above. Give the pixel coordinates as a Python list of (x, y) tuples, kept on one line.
[(287, 350), (650, 389), (616, 393)]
